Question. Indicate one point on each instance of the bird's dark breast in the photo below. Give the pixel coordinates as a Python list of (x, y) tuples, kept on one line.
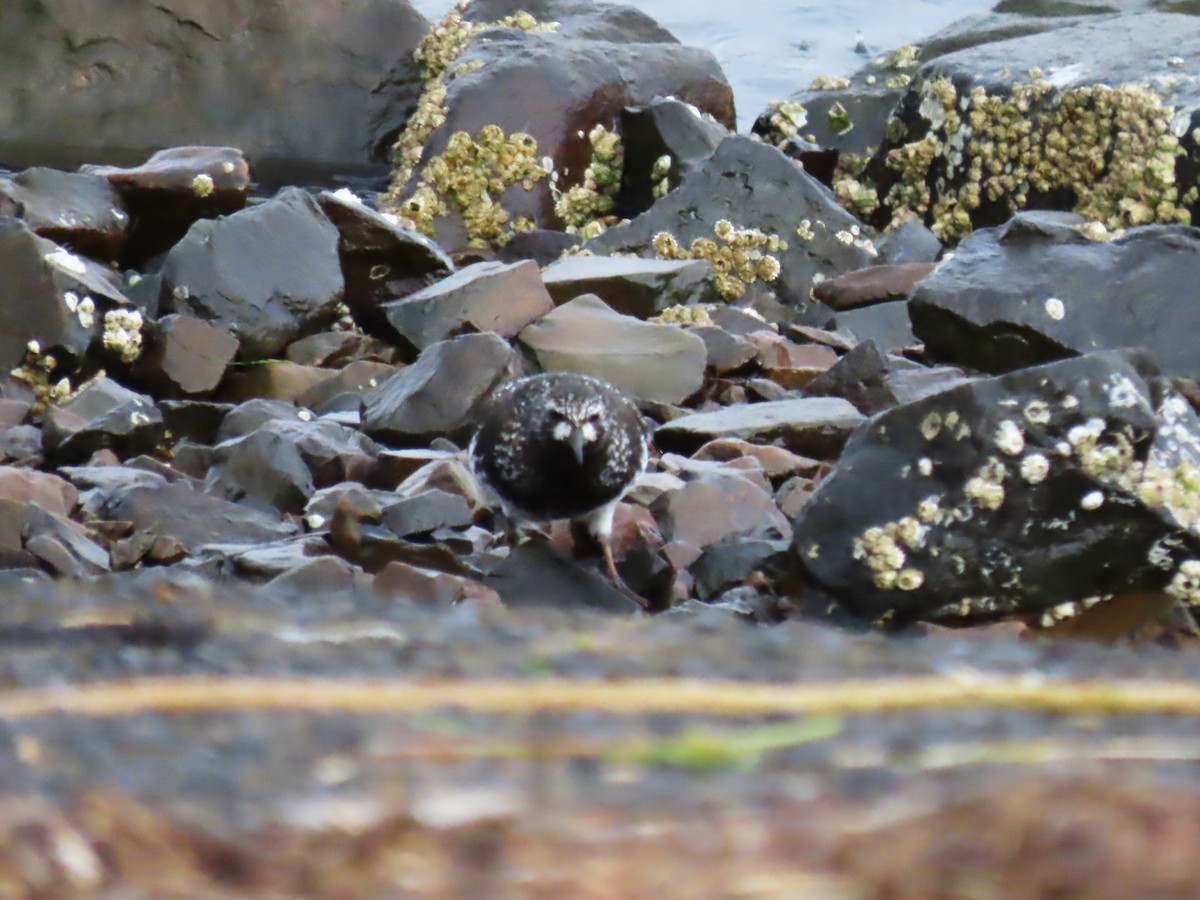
[(555, 486)]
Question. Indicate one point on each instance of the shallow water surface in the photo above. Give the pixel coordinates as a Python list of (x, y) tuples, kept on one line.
[(771, 48)]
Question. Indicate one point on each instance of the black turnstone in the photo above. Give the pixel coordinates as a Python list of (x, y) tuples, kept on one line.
[(560, 446)]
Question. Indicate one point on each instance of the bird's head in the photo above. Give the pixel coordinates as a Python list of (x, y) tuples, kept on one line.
[(578, 426)]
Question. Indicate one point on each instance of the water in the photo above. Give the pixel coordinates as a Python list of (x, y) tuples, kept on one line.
[(771, 48)]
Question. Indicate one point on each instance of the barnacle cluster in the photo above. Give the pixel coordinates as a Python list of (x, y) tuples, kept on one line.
[(1111, 146), (35, 371), (203, 186), (739, 256), (593, 199), (123, 333), (785, 121), (471, 176), (684, 315), (883, 549), (436, 53)]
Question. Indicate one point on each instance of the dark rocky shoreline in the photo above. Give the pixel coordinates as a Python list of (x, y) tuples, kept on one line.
[(917, 355)]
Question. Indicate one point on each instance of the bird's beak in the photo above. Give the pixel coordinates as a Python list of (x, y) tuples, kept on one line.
[(576, 441)]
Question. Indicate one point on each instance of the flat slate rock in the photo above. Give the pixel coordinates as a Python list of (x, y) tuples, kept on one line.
[(810, 426), (634, 287), (81, 212), (645, 360), (1036, 289)]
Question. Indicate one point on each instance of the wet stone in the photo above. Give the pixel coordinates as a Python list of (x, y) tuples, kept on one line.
[(80, 212), (535, 575), (196, 420), (909, 242), (438, 393), (253, 414), (274, 379), (185, 356), (633, 287), (426, 512), (1063, 483), (194, 518), (647, 361), (1036, 289), (267, 274), (487, 296), (335, 349), (104, 416), (725, 352), (664, 127), (874, 381), (810, 426), (716, 507), (354, 380), (888, 324), (263, 467)]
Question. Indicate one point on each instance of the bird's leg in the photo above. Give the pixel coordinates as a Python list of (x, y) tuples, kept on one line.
[(597, 528)]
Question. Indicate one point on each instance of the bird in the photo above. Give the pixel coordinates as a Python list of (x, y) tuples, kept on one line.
[(560, 445)]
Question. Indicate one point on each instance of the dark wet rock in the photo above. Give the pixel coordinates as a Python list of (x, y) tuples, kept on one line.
[(725, 352), (196, 420), (666, 130), (335, 349), (542, 245), (263, 467), (438, 393), (194, 518), (909, 242), (811, 426), (381, 260), (633, 287), (645, 360), (874, 284), (20, 442), (395, 466), (332, 452), (718, 506), (103, 416), (536, 575), (192, 459), (50, 295), (1036, 289), (47, 490), (874, 381), (173, 189), (80, 212), (184, 356), (353, 381), (450, 475), (273, 379), (269, 274), (733, 561), (426, 512), (888, 324), (1093, 117), (60, 544), (753, 185), (309, 118), (487, 296), (253, 414), (1053, 485), (556, 86)]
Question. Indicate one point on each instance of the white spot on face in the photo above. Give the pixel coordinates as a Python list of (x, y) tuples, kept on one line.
[(589, 432), (562, 431), (1055, 309)]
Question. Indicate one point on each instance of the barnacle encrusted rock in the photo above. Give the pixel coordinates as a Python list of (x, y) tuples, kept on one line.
[(1089, 118), (511, 99), (1012, 495), (745, 209), (1037, 289)]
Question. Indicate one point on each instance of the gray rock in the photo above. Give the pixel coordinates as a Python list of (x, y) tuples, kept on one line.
[(1036, 289), (309, 115), (184, 356), (664, 127), (874, 381), (645, 360), (487, 296), (716, 507), (438, 393), (263, 467), (887, 324), (103, 416), (268, 274), (634, 287), (810, 426), (753, 185), (80, 212)]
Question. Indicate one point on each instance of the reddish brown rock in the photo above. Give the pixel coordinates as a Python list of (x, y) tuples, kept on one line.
[(184, 356), (51, 493), (874, 284)]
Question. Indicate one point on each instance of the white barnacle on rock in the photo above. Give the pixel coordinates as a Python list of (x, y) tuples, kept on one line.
[(33, 348), (1037, 412), (67, 262), (931, 426), (1055, 309), (1092, 500), (1122, 394), (804, 230), (1034, 468), (123, 333), (1185, 585), (304, 415), (1009, 438), (909, 579), (911, 532), (1083, 437), (71, 300), (925, 466), (85, 311), (845, 237), (986, 489), (202, 185), (929, 510)]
